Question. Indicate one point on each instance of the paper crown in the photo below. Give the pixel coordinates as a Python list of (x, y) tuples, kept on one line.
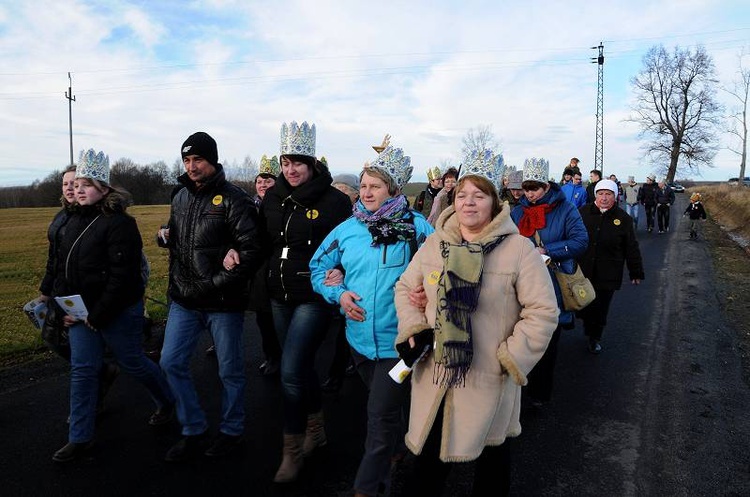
[(298, 139), (433, 173), (536, 170), (395, 164), (485, 163), (269, 166), (93, 165)]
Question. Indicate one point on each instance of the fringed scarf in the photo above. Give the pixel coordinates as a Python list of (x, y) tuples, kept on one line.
[(390, 223), (533, 218), (458, 295)]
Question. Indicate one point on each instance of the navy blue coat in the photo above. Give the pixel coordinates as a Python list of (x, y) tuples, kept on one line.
[(564, 236)]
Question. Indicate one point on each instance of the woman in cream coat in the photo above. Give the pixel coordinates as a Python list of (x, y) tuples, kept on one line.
[(466, 399)]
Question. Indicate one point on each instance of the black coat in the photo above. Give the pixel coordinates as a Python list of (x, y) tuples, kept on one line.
[(104, 264), (203, 225), (296, 222), (612, 243), (647, 194), (54, 234)]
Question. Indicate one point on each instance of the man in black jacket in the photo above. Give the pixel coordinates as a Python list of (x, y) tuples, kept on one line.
[(612, 244), (209, 216)]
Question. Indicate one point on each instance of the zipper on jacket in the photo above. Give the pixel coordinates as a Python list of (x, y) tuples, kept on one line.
[(286, 245)]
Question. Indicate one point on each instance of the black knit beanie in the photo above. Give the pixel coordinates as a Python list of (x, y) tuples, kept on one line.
[(202, 145)]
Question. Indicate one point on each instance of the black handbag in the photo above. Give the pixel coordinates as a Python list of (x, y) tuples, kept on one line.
[(54, 331)]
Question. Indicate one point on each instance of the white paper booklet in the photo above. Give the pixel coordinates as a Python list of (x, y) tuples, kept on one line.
[(36, 310), (74, 306)]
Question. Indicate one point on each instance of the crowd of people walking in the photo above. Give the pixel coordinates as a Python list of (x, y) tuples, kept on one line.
[(468, 277)]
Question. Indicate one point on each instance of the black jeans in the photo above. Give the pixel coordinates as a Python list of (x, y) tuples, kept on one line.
[(662, 213), (594, 315), (491, 473), (650, 211), (540, 379)]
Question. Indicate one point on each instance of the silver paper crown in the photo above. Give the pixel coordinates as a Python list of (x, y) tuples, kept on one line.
[(433, 173), (395, 164), (536, 170), (269, 166), (93, 165), (485, 163), (298, 139)]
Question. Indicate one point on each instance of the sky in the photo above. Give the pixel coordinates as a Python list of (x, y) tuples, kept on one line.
[(147, 74)]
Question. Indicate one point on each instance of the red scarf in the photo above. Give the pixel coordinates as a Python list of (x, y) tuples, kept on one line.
[(533, 218)]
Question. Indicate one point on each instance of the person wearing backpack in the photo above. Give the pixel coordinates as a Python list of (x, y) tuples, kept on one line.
[(373, 247)]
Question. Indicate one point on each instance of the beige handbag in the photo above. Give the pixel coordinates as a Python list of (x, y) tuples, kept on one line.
[(577, 291)]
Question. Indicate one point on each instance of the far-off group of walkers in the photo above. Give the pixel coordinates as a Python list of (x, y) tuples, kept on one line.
[(467, 275)]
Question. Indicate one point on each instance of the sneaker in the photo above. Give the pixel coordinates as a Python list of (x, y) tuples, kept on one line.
[(72, 451), (650, 229), (661, 231), (162, 416), (595, 347), (223, 445), (188, 447)]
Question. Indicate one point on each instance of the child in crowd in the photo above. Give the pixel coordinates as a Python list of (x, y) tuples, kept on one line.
[(696, 212)]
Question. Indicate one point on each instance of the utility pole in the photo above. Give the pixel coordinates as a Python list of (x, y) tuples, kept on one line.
[(599, 147), (71, 99)]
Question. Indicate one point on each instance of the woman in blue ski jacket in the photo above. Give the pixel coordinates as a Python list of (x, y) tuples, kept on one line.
[(373, 247)]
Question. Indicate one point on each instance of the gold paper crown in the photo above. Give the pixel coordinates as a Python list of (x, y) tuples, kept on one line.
[(433, 173), (269, 166), (298, 139), (381, 147)]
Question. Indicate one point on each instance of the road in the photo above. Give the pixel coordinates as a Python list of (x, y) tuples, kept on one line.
[(661, 412)]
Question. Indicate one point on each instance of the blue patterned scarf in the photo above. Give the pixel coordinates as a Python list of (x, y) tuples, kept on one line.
[(391, 223)]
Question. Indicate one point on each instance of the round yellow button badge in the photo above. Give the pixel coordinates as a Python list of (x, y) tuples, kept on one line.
[(433, 277), (617, 222), (217, 200), (313, 214)]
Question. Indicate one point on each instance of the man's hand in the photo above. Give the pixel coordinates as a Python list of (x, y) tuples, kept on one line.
[(351, 309), (163, 235), (69, 321), (231, 260)]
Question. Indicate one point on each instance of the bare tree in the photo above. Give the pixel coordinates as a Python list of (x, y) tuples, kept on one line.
[(676, 108), (738, 119), (479, 138)]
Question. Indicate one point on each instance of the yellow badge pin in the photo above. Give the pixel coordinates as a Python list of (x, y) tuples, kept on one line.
[(313, 214), (616, 222), (433, 277), (217, 200)]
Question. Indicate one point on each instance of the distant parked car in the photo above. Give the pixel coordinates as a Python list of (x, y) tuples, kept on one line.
[(736, 181), (676, 187)]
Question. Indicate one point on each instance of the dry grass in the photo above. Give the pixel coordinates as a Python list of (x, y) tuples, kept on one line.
[(23, 255), (728, 205)]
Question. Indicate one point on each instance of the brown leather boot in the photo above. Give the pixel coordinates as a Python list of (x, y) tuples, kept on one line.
[(291, 462), (315, 436)]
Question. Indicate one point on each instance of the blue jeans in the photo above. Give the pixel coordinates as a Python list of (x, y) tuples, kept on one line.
[(632, 211), (124, 337), (301, 328), (184, 327)]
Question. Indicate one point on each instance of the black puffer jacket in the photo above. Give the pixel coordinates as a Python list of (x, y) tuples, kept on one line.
[(104, 264), (296, 222), (54, 234), (203, 225), (612, 243)]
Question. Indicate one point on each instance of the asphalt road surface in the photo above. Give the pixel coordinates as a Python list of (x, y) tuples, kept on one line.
[(663, 411)]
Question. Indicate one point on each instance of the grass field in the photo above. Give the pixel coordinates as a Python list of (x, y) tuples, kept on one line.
[(23, 255)]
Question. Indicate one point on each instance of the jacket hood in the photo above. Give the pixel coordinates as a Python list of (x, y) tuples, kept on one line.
[(448, 229)]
